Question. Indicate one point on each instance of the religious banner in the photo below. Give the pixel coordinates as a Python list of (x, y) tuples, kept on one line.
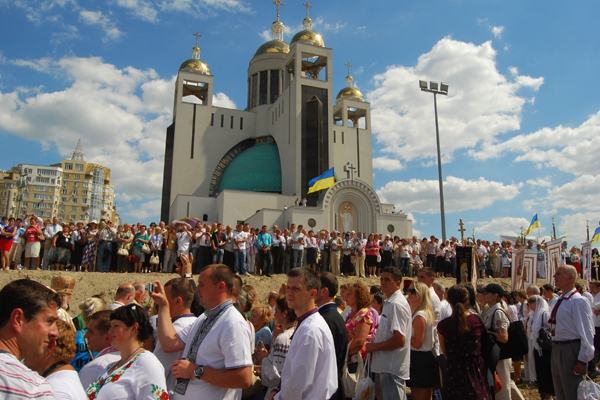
[(524, 267), (553, 259), (586, 262), (467, 269)]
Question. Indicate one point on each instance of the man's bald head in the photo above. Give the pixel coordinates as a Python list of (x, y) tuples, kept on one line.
[(125, 293), (565, 277), (140, 291)]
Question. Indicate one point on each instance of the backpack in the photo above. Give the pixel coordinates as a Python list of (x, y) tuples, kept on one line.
[(517, 344)]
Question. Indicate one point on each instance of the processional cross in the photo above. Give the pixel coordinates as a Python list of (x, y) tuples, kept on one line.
[(462, 231)]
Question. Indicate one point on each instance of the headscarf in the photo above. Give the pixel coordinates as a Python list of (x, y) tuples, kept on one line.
[(536, 319)]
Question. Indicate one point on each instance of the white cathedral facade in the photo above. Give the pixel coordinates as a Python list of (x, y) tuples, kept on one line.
[(251, 165)]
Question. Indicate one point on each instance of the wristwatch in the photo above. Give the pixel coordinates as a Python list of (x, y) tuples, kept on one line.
[(199, 371), (187, 275)]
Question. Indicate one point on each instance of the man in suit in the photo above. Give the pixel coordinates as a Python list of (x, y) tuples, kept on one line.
[(328, 309)]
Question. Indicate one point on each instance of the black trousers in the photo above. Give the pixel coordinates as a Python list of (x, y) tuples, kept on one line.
[(265, 262), (277, 253)]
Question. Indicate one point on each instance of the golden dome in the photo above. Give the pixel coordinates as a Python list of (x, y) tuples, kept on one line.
[(273, 46), (350, 93), (308, 36), (195, 65)]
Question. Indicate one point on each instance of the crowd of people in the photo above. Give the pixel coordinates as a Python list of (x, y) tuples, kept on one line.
[(215, 338)]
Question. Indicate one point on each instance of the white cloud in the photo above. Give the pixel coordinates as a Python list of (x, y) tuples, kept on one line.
[(387, 164), (497, 31), (579, 194), (334, 27), (502, 226), (141, 9), (482, 103), (130, 142), (98, 18), (573, 226), (222, 100), (205, 7), (541, 182), (41, 64), (422, 196)]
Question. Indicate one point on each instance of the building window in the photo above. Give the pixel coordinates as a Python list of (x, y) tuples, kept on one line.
[(74, 200), (63, 208), (79, 167), (73, 217), (66, 175), (77, 176), (64, 191), (68, 166)]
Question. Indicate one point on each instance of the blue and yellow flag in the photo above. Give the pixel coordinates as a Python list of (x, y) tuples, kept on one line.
[(534, 224), (596, 236), (323, 181)]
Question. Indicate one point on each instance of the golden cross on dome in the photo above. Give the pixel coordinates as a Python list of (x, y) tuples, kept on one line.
[(349, 66), (308, 6), (197, 36), (278, 3)]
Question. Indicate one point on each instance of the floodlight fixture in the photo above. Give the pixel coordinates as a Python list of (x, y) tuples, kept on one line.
[(433, 86), (444, 88), (423, 85)]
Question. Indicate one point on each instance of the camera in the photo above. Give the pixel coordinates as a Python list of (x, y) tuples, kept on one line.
[(150, 287)]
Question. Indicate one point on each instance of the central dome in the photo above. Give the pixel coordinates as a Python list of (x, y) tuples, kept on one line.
[(195, 65), (350, 93), (308, 36), (257, 169), (273, 46)]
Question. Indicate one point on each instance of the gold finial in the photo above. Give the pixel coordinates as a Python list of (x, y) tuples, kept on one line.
[(308, 6), (278, 3), (462, 231), (349, 66)]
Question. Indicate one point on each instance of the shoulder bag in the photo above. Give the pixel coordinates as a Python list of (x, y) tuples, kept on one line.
[(351, 380), (517, 344), (544, 339)]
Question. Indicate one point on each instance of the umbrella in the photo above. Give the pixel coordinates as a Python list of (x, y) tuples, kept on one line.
[(193, 221), (176, 223)]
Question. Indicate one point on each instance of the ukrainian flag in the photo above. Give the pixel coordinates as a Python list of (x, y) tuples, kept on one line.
[(534, 224), (323, 181), (596, 236)]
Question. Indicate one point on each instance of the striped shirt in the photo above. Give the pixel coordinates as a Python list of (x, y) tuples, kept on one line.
[(19, 382)]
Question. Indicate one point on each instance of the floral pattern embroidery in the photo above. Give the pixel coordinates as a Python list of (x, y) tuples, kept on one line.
[(158, 392), (363, 315)]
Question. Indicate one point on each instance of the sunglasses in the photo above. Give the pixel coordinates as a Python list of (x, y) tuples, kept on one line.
[(412, 291)]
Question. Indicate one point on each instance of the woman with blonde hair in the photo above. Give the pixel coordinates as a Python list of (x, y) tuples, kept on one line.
[(260, 317), (54, 365), (424, 367)]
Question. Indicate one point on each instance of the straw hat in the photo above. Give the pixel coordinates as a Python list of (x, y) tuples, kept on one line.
[(63, 284)]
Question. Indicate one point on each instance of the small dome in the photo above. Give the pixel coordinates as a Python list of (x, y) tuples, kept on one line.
[(257, 169), (273, 46), (350, 93), (308, 36), (195, 65)]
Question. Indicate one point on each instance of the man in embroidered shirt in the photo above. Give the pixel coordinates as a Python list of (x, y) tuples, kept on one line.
[(391, 344), (218, 360), (310, 370), (572, 335), (98, 341), (27, 325)]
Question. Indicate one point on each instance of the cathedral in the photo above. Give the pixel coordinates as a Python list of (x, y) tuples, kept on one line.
[(254, 165)]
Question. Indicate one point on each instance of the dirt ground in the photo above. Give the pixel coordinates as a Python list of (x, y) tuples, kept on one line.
[(106, 284)]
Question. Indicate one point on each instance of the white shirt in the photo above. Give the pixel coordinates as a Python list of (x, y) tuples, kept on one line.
[(51, 230), (19, 382), (446, 310), (574, 321), (166, 359), (395, 316), (226, 346), (296, 236), (437, 313), (310, 370), (311, 242), (142, 380), (241, 237), (595, 317), (92, 370), (428, 341), (183, 241), (66, 385)]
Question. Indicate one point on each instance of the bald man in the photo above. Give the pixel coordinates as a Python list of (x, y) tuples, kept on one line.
[(572, 330), (125, 295)]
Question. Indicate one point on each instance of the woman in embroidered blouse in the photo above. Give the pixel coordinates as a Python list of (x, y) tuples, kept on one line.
[(124, 238), (272, 362), (359, 323), (89, 251), (139, 240), (138, 374)]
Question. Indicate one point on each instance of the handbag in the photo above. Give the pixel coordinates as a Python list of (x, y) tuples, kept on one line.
[(517, 344), (123, 252), (146, 249), (544, 339), (154, 259), (365, 390), (498, 385), (588, 390), (350, 380)]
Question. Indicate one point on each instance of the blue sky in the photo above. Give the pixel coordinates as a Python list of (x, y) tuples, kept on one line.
[(519, 129)]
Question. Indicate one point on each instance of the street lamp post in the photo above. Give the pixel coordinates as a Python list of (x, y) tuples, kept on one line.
[(433, 87)]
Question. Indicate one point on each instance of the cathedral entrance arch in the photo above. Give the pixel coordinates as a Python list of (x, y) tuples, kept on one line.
[(352, 205)]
